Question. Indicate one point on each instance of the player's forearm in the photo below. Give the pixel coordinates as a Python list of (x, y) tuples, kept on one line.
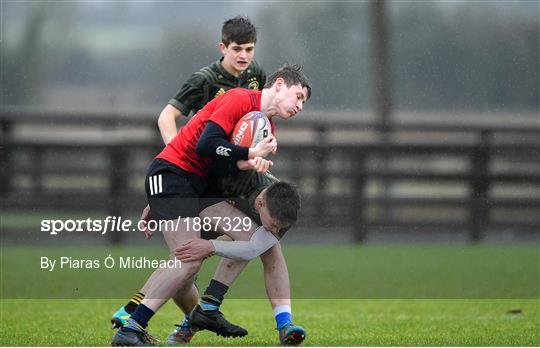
[(259, 242), (167, 123), (214, 143)]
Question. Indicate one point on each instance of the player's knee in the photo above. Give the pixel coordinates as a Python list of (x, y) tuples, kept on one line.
[(189, 269)]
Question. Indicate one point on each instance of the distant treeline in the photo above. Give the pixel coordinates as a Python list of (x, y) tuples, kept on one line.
[(450, 56)]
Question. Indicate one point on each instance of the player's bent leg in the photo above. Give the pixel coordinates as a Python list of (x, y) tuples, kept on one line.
[(186, 298), (207, 315), (120, 317), (164, 286), (170, 280), (134, 331), (226, 273), (228, 270), (276, 276), (213, 320)]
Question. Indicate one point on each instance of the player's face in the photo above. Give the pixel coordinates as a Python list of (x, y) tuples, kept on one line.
[(236, 58), (269, 223), (289, 100)]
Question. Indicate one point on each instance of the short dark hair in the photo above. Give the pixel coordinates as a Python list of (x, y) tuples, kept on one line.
[(238, 29), (292, 74), (283, 202)]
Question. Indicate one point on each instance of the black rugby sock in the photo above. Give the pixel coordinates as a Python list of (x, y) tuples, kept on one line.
[(213, 295), (134, 302)]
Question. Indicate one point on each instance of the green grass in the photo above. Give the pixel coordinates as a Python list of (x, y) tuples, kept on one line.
[(436, 295), (328, 322), (317, 272)]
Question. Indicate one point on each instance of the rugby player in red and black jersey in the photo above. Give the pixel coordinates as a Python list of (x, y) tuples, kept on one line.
[(179, 175), (236, 68)]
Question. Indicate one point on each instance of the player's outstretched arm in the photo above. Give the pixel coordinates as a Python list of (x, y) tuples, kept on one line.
[(198, 249)]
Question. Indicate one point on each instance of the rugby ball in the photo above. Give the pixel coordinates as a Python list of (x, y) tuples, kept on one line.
[(250, 129)]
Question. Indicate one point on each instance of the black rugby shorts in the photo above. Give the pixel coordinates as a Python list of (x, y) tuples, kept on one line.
[(173, 192)]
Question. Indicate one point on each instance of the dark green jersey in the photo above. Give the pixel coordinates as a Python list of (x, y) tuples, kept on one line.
[(213, 80)]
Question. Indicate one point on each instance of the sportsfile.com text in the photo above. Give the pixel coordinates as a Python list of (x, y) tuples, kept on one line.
[(119, 224)]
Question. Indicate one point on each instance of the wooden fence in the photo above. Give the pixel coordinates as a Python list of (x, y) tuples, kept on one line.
[(474, 177)]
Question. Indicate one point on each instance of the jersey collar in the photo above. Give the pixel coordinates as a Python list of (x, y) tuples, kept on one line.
[(230, 76)]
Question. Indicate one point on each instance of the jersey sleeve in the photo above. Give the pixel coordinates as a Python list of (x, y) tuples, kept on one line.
[(230, 110), (190, 96)]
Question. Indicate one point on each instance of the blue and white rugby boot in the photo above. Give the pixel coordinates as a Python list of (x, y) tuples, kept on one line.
[(292, 335)]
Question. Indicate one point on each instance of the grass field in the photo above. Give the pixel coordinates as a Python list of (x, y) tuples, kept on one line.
[(329, 323), (363, 296)]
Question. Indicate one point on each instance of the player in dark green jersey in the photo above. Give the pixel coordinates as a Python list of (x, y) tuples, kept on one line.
[(235, 69), (258, 196), (213, 80)]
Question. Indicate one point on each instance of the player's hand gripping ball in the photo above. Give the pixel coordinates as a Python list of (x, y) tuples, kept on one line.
[(250, 129)]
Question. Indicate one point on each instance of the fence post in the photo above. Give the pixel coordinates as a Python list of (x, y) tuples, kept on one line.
[(480, 185), (117, 184), (360, 227), (37, 169), (320, 158), (5, 153)]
